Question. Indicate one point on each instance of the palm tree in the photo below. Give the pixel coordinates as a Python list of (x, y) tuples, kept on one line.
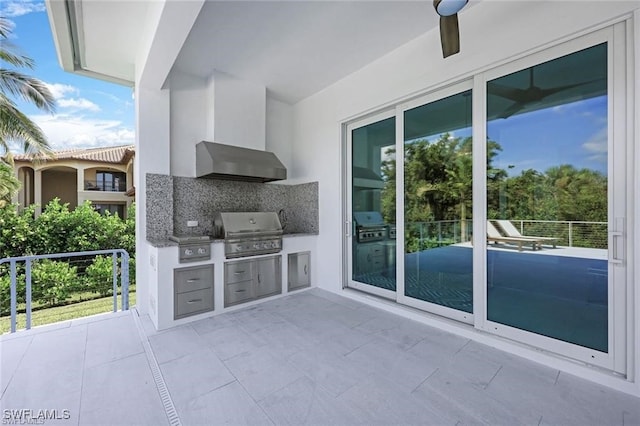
[(14, 125), (9, 184)]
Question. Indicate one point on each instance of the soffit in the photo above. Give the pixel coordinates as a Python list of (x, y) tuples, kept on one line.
[(294, 48)]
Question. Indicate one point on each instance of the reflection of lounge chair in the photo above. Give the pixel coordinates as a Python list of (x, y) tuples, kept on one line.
[(497, 237), (511, 231)]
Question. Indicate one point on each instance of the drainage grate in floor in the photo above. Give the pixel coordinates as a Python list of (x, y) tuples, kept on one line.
[(167, 402)]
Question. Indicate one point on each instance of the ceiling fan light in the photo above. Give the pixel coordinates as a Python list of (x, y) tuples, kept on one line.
[(449, 7)]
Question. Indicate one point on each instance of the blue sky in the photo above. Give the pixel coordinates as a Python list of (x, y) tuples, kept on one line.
[(90, 112), (574, 133)]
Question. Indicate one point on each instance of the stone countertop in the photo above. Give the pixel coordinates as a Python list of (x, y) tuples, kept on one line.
[(165, 242)]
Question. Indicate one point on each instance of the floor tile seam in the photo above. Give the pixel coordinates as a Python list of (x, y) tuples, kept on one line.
[(173, 418), (36, 330), (84, 369), (208, 391), (493, 377), (461, 407), (13, 373), (499, 404), (424, 381), (207, 348), (102, 364)]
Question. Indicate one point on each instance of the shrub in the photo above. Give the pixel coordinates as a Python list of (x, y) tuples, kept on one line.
[(5, 290), (99, 275), (52, 281)]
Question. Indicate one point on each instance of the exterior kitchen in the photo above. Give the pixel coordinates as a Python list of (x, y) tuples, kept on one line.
[(224, 227), (386, 163)]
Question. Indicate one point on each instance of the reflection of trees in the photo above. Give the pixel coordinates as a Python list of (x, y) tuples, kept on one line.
[(438, 187)]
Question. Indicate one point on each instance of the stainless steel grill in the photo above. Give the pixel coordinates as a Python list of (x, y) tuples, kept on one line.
[(248, 233)]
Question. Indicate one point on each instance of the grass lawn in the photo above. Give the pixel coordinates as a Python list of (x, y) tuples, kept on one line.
[(63, 313)]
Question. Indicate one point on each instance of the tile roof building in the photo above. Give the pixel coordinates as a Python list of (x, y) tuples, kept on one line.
[(103, 176)]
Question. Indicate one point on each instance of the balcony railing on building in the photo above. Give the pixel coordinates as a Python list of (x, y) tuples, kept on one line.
[(113, 186)]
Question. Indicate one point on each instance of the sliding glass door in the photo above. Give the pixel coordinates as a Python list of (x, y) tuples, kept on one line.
[(555, 206), (509, 190), (372, 205), (438, 207)]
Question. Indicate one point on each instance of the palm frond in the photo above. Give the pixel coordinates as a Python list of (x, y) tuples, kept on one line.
[(16, 126), (28, 88), (9, 184)]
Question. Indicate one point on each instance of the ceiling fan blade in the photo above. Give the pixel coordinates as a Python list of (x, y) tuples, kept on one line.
[(449, 35), (511, 93), (512, 109), (552, 90)]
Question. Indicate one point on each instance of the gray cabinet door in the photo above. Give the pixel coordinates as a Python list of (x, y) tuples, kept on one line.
[(299, 273), (268, 279)]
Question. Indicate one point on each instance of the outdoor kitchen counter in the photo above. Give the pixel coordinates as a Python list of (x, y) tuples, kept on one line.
[(164, 262), (165, 242)]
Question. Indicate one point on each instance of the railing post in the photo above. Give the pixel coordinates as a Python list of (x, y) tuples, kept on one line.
[(115, 281), (27, 264), (570, 234), (14, 296), (124, 260)]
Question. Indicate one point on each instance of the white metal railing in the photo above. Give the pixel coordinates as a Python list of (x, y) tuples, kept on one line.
[(28, 260), (587, 234)]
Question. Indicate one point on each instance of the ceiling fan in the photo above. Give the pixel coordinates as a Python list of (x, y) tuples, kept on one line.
[(532, 94), (449, 30)]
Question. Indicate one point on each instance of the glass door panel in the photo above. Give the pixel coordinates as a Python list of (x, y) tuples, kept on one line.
[(548, 199), (438, 203), (372, 264)]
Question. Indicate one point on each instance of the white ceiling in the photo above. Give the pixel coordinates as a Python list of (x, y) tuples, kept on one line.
[(293, 48), (297, 48)]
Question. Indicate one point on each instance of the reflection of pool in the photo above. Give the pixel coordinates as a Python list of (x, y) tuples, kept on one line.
[(557, 296)]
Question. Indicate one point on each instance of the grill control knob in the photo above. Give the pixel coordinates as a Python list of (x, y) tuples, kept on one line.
[(256, 246), (202, 250), (188, 252)]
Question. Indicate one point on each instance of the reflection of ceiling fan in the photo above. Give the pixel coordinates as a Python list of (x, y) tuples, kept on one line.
[(524, 97), (449, 31)]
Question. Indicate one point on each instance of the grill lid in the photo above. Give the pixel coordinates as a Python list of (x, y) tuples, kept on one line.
[(247, 224), (372, 218)]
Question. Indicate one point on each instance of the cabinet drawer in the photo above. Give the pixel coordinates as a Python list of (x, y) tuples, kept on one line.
[(193, 302), (238, 292), (237, 271), (191, 279)]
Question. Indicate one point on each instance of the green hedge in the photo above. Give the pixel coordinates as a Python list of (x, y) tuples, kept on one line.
[(60, 230)]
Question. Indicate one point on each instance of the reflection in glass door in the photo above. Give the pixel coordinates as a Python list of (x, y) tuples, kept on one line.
[(372, 265), (438, 205), (548, 199)]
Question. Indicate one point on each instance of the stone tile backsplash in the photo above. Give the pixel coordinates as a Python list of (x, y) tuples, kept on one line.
[(198, 199), (159, 206)]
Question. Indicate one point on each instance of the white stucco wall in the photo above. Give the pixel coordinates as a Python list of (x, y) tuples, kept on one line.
[(152, 156), (188, 121), (279, 129)]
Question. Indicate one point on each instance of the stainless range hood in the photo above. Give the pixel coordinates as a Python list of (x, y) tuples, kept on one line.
[(219, 161)]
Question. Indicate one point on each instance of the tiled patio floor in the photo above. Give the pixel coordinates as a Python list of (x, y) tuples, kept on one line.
[(308, 358)]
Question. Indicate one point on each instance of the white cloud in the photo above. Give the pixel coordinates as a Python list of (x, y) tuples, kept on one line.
[(59, 90), (66, 131), (596, 146), (14, 8), (78, 103)]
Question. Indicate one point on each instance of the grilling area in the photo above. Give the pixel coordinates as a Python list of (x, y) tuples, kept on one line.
[(216, 245)]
